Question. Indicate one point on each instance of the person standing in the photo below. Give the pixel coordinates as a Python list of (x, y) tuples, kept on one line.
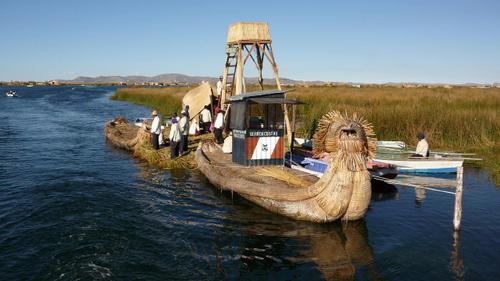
[(184, 128), (186, 110), (206, 119), (422, 146), (218, 127), (155, 130), (219, 87), (175, 137)]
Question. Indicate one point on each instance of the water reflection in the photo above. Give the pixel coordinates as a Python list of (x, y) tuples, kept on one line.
[(338, 249), (456, 261), (419, 196), (241, 239), (383, 191), (344, 249)]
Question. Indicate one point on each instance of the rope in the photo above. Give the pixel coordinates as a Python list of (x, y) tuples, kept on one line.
[(411, 184)]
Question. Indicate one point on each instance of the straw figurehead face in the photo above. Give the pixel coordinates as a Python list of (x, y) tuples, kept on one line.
[(344, 134)]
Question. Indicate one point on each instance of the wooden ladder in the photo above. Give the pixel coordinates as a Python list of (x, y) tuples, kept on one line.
[(231, 63)]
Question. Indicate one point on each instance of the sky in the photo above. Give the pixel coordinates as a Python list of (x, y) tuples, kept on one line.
[(351, 41)]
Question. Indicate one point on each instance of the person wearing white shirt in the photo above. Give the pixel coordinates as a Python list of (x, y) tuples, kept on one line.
[(219, 87), (155, 130), (219, 126), (184, 127), (194, 129), (206, 119), (175, 137), (422, 147)]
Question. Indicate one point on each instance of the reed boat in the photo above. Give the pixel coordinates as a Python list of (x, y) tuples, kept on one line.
[(342, 192)]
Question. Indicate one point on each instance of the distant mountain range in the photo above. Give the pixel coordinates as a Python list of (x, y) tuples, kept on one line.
[(172, 78)]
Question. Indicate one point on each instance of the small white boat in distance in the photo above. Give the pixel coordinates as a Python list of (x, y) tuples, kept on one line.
[(391, 144), (139, 121), (11, 94), (425, 165)]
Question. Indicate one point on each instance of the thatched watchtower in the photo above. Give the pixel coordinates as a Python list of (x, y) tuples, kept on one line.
[(246, 40)]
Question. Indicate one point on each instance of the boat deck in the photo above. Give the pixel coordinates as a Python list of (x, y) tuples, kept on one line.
[(269, 175)]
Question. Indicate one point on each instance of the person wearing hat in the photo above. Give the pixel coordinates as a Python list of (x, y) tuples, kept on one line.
[(155, 130), (184, 128), (206, 119), (218, 127), (422, 146), (186, 110), (175, 137), (174, 116)]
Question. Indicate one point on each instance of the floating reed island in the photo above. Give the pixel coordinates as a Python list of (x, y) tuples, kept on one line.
[(137, 140)]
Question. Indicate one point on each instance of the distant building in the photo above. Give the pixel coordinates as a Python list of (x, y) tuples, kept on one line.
[(409, 86), (53, 83)]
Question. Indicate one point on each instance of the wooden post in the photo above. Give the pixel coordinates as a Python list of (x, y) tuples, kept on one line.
[(293, 133), (458, 199), (271, 59), (238, 77)]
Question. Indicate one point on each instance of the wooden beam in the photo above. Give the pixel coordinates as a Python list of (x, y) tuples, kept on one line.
[(260, 59), (278, 83), (249, 53)]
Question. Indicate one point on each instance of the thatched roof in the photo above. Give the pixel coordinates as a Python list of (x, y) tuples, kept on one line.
[(197, 98), (248, 31)]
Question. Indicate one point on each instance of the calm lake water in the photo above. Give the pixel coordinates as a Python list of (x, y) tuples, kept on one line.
[(74, 208)]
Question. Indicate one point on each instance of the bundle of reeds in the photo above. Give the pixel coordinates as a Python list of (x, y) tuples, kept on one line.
[(283, 175)]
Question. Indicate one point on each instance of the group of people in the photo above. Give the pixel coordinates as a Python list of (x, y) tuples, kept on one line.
[(179, 132), (180, 129)]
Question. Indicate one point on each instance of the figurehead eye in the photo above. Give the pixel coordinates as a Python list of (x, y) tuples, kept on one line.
[(349, 132)]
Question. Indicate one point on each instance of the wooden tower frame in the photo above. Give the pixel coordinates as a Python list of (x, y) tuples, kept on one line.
[(248, 40)]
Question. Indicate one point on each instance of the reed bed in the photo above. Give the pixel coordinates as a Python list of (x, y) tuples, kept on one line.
[(164, 100), (461, 118)]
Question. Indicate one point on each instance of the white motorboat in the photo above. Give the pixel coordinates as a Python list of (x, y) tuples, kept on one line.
[(139, 121), (391, 144), (424, 164), (11, 94)]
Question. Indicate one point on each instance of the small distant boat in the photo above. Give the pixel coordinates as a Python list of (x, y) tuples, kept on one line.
[(11, 94), (139, 121), (30, 85), (391, 144)]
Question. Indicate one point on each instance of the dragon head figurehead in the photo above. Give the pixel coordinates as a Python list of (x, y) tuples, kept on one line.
[(348, 140)]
